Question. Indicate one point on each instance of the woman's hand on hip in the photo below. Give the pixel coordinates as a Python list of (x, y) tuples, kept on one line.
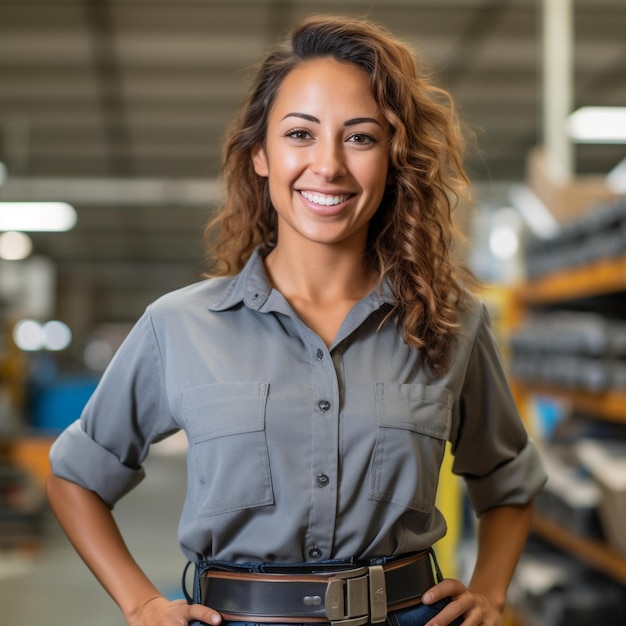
[(474, 609), (163, 612)]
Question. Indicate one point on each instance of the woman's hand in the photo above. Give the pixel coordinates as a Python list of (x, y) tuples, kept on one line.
[(474, 609), (163, 612), (502, 532), (91, 527)]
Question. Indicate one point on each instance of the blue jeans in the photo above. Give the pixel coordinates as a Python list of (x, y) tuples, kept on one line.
[(413, 616), (417, 615)]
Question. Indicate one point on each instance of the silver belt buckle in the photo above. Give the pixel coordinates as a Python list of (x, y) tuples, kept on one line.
[(356, 597)]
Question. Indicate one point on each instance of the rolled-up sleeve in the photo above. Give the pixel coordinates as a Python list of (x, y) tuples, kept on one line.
[(516, 482), (501, 465), (104, 449), (74, 455)]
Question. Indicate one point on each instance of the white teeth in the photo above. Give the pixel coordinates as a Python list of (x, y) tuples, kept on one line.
[(323, 199)]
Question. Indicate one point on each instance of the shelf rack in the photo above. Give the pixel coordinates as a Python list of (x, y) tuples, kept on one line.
[(598, 279), (608, 405), (593, 553)]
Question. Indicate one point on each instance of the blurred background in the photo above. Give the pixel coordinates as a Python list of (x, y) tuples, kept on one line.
[(111, 119)]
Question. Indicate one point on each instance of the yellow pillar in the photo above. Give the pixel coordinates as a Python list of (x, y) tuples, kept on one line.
[(449, 502)]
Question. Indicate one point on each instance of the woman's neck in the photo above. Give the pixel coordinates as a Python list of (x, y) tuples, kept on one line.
[(321, 284), (317, 273)]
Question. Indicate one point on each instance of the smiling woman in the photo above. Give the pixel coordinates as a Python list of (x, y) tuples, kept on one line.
[(326, 160), (327, 163), (319, 373)]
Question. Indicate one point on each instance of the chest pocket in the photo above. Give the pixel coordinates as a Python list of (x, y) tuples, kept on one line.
[(413, 426), (228, 447)]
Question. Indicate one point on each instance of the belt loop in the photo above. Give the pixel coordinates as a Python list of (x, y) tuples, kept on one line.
[(378, 594), (184, 583), (435, 564)]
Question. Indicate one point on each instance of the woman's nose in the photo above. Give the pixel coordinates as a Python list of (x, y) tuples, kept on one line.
[(328, 160)]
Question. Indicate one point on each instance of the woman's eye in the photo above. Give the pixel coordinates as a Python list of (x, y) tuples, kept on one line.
[(361, 138), (299, 134)]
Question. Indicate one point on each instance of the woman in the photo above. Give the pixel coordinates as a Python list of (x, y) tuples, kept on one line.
[(319, 373)]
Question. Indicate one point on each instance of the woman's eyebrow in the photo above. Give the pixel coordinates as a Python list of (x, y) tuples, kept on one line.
[(350, 122), (362, 120), (304, 116)]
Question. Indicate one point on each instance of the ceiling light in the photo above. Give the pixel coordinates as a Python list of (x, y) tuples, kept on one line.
[(15, 246), (31, 336), (503, 238), (503, 242), (616, 178), (97, 354), (28, 335), (598, 125), (37, 216), (534, 212), (57, 335)]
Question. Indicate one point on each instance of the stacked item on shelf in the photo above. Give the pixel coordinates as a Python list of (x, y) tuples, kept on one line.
[(553, 589), (571, 497), (577, 350), (598, 235), (567, 359), (576, 456), (606, 462)]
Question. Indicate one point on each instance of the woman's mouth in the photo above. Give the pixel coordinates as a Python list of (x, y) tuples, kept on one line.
[(325, 199)]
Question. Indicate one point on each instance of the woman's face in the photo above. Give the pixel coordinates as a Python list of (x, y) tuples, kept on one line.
[(326, 154)]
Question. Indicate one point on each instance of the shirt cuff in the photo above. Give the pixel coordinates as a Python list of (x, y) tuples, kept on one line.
[(74, 455), (514, 483)]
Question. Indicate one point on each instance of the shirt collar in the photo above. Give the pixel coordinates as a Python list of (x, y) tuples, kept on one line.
[(252, 287)]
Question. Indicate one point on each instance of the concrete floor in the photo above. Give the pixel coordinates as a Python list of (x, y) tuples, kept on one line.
[(52, 587)]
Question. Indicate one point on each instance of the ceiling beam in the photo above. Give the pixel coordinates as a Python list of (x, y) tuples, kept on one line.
[(109, 84), (102, 191), (482, 23)]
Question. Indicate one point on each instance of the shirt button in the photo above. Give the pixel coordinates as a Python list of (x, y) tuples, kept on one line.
[(322, 480), (315, 553), (319, 354), (324, 405)]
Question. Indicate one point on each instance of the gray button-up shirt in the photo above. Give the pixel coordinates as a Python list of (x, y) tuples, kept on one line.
[(296, 451)]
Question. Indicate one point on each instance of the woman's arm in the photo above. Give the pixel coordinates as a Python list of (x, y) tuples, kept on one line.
[(92, 530), (502, 534)]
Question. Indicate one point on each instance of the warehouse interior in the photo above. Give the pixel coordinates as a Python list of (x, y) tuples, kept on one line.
[(117, 108)]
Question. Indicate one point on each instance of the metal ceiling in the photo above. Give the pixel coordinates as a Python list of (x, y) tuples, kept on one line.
[(119, 107)]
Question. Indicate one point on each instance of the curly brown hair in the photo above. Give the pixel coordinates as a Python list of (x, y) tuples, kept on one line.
[(411, 235)]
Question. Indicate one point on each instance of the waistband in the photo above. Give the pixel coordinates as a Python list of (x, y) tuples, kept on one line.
[(336, 592)]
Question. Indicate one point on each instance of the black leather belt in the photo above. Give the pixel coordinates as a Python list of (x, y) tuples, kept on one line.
[(348, 597)]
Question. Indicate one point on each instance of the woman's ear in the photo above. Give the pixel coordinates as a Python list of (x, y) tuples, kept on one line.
[(259, 160)]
